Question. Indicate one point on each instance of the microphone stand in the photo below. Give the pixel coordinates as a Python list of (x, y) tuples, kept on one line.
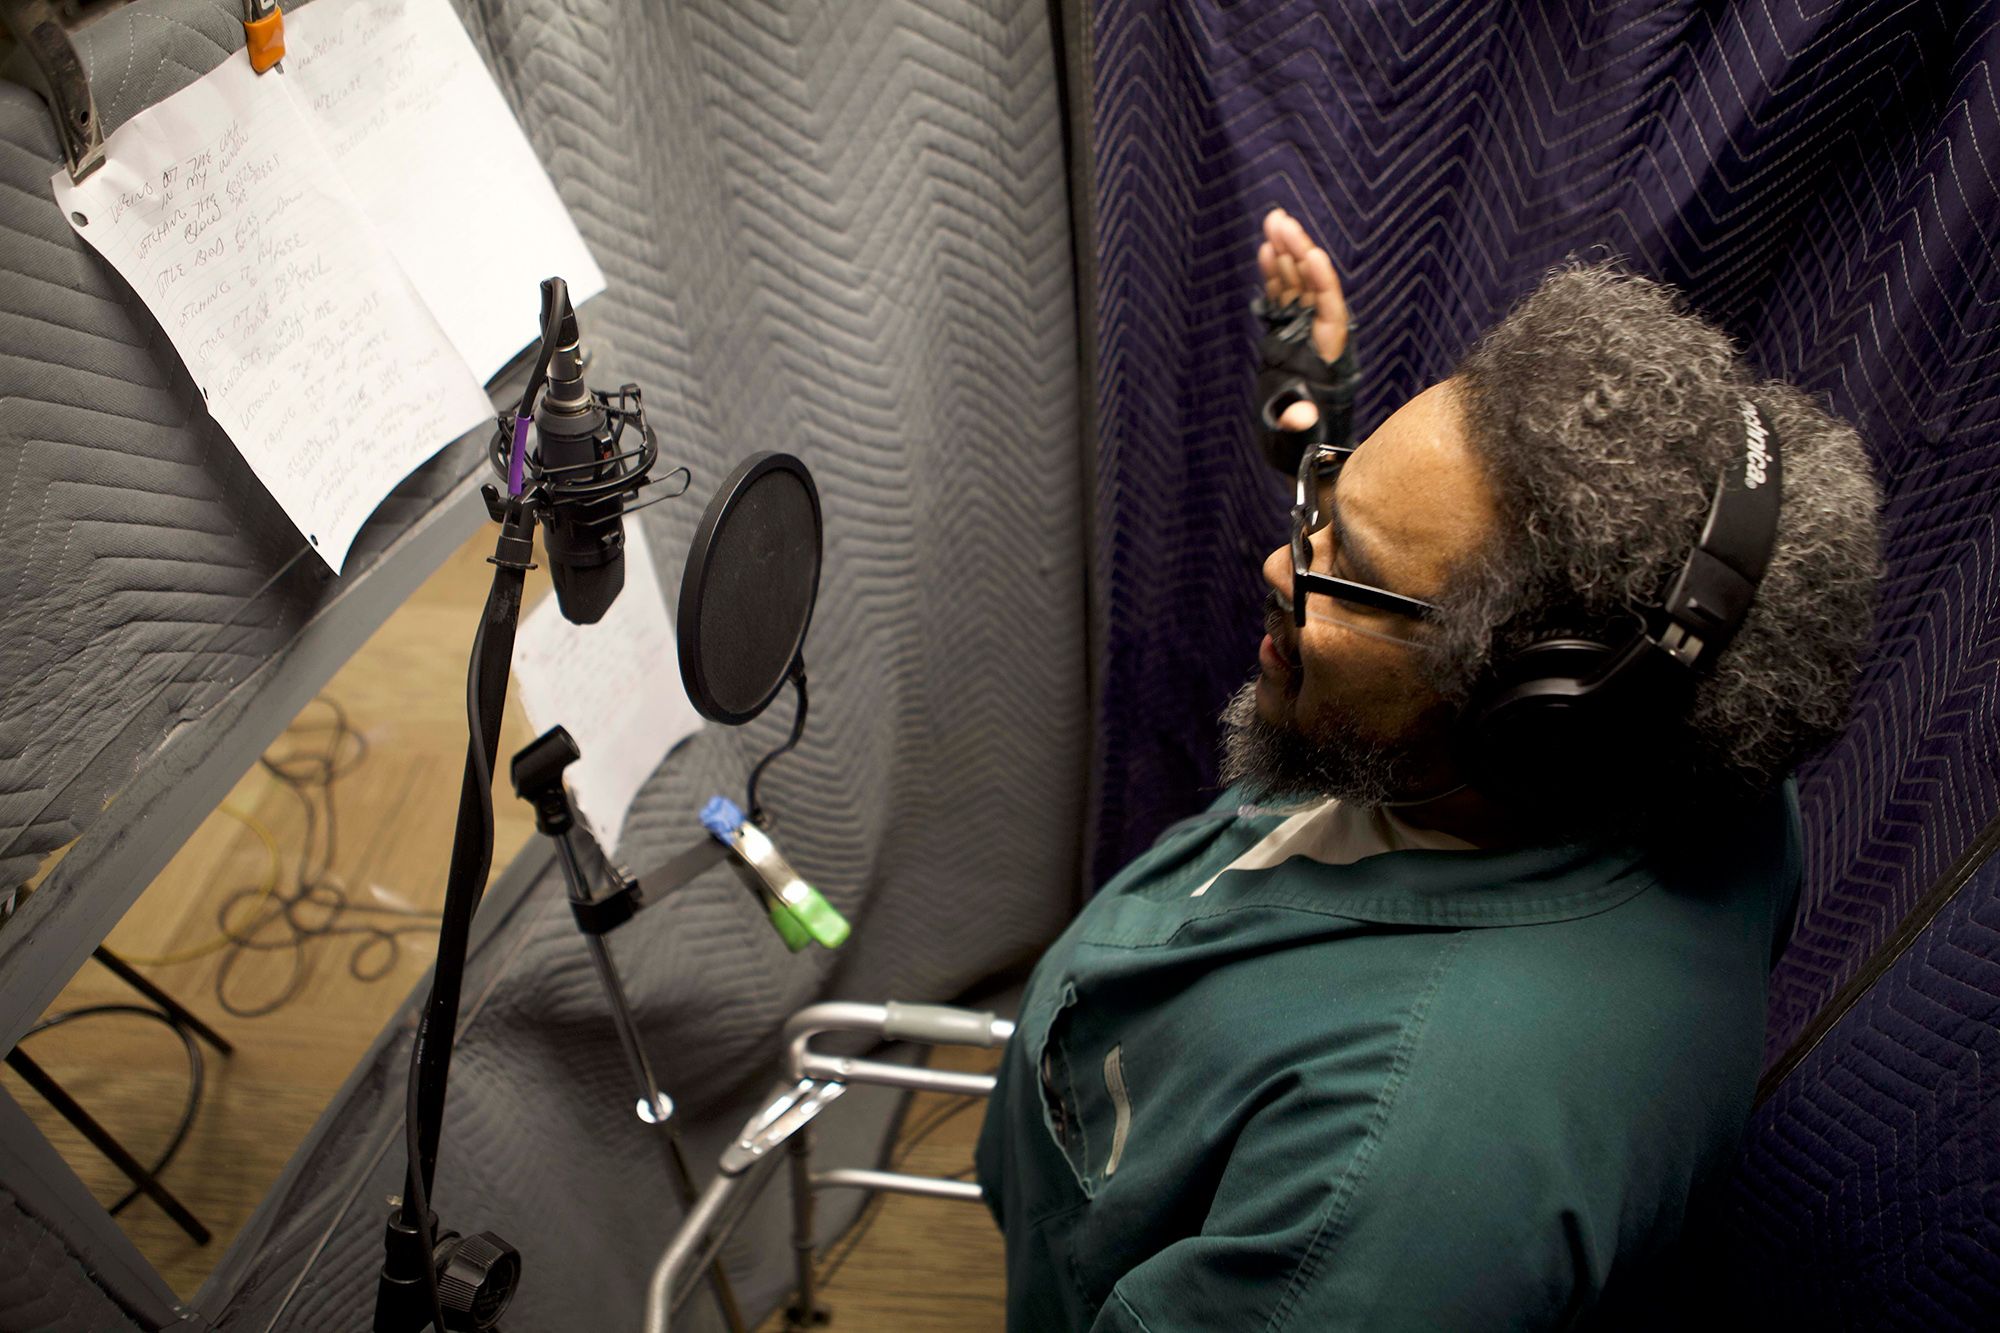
[(425, 1271), (537, 772), (428, 1277)]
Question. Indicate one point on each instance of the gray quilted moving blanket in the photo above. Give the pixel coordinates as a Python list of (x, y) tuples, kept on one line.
[(842, 230)]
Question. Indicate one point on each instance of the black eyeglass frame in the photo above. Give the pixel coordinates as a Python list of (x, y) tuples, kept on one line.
[(1321, 464)]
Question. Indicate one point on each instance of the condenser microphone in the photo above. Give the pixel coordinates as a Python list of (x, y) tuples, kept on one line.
[(584, 527)]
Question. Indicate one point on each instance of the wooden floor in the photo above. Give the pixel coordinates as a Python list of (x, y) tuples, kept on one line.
[(924, 1266), (927, 1265)]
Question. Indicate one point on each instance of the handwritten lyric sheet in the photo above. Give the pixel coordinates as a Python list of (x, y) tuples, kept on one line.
[(616, 686), (410, 114), (342, 252), (312, 349)]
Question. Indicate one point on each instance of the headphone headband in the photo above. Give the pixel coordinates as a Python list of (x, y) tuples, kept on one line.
[(1711, 596), (1553, 715)]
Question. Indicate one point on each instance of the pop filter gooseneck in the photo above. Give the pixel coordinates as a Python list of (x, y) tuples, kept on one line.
[(747, 596)]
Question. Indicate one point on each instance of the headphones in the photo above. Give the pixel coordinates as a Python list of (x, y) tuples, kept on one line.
[(1552, 718)]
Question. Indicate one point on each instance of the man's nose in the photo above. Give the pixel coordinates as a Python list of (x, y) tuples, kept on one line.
[(1278, 570)]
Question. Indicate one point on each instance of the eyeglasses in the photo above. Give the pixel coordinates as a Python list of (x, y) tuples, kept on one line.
[(1317, 471)]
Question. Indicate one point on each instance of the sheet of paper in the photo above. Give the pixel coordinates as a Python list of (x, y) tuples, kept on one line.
[(410, 113), (314, 352), (615, 685)]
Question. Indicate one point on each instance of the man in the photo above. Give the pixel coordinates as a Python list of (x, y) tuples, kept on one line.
[(1446, 1010)]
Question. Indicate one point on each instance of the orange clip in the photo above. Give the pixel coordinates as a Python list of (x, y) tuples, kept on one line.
[(266, 38)]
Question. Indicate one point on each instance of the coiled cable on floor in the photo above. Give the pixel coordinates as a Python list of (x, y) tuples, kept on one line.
[(273, 917)]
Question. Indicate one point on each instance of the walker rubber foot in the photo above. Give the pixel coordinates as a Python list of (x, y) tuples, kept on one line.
[(798, 1320)]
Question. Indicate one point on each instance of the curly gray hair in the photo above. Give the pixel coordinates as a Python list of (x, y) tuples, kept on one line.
[(1604, 412)]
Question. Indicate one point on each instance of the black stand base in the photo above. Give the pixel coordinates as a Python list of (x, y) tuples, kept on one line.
[(476, 1278), (402, 1292)]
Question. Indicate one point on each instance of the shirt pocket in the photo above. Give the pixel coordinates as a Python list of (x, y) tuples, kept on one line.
[(1085, 1081)]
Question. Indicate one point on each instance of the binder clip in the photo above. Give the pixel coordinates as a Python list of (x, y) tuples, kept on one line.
[(800, 912)]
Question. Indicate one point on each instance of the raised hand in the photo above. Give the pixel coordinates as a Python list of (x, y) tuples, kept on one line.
[(1294, 269)]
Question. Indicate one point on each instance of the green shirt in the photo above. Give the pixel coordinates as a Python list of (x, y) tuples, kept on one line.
[(1427, 1090)]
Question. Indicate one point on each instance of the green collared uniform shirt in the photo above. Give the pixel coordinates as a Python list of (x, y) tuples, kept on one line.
[(1425, 1090)]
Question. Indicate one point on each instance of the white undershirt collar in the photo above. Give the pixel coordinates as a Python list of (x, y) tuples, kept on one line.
[(1337, 833)]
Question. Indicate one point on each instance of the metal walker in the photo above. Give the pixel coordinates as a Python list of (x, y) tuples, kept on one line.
[(815, 1080)]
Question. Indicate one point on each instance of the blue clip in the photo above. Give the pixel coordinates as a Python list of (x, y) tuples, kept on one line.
[(721, 817)]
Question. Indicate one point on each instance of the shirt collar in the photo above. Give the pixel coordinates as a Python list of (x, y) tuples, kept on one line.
[(1411, 887), (1458, 889)]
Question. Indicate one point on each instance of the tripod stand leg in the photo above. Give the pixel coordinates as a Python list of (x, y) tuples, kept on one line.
[(806, 1311), (642, 1072)]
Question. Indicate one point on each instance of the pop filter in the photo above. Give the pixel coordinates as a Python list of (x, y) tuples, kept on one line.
[(747, 594)]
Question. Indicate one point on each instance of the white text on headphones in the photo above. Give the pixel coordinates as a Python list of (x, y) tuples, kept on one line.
[(1758, 458)]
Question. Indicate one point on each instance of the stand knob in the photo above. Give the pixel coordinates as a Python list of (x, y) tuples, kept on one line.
[(476, 1278)]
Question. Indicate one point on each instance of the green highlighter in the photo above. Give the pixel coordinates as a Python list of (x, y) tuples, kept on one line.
[(799, 911)]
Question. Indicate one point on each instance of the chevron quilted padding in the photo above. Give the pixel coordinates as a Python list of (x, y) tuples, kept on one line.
[(1820, 179), (44, 1286), (1866, 1196), (843, 231), (1821, 183)]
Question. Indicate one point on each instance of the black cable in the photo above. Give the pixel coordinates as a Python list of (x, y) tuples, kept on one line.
[(472, 859), (482, 782), (414, 1178), (195, 1075), (923, 1130), (835, 1262), (798, 678), (318, 889), (555, 295)]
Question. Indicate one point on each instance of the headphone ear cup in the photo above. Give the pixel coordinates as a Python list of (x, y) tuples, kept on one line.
[(1542, 722)]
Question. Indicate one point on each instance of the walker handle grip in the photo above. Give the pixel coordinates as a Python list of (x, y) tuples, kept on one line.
[(940, 1025)]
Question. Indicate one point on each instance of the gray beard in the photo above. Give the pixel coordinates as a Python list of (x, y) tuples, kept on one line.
[(1276, 763)]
